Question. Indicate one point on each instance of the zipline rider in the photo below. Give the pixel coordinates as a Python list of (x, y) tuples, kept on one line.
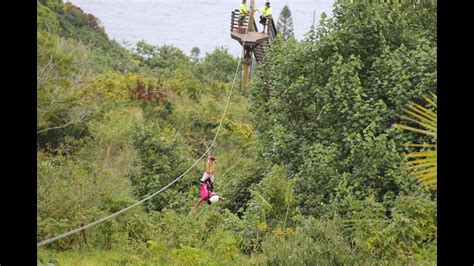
[(207, 185)]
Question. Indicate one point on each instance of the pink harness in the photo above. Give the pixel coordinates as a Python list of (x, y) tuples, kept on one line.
[(204, 192)]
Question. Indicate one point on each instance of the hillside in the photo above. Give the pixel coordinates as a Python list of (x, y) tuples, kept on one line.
[(313, 174)]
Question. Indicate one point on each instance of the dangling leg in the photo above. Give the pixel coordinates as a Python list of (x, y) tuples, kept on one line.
[(222, 198), (196, 206)]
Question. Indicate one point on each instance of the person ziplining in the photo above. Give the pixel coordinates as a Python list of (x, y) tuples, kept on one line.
[(207, 184)]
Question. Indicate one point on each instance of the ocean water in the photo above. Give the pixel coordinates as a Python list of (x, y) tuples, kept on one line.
[(190, 23)]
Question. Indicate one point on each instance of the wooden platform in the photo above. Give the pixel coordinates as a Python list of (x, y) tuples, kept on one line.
[(252, 38)]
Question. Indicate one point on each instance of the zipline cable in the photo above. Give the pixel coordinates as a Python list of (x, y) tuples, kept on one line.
[(212, 145), (44, 242), (233, 84), (228, 169)]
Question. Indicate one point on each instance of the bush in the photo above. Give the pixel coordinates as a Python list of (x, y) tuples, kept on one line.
[(315, 242)]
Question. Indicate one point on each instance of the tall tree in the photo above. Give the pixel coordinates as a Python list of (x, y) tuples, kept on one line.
[(195, 54), (285, 22)]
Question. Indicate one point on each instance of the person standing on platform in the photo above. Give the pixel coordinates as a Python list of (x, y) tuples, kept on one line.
[(266, 11), (244, 12)]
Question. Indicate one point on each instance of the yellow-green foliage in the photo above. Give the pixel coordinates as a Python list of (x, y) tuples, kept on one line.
[(185, 81), (109, 88), (62, 65), (86, 178), (205, 240), (274, 199), (87, 257), (116, 125), (81, 187)]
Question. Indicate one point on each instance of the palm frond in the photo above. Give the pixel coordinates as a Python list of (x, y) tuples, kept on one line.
[(432, 103), (424, 145), (422, 164), (417, 166), (415, 113), (426, 154), (419, 161), (426, 132)]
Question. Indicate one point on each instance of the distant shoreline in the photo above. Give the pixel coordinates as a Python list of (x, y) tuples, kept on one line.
[(157, 23)]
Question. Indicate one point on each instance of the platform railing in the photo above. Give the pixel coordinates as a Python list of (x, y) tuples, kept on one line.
[(234, 24), (272, 31)]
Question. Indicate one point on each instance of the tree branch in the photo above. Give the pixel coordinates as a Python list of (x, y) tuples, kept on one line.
[(47, 129)]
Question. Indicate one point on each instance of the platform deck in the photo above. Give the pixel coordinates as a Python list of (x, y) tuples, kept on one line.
[(252, 38)]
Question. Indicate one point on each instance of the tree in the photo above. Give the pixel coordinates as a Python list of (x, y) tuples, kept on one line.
[(195, 54), (330, 120), (285, 22), (218, 65), (158, 162), (164, 59)]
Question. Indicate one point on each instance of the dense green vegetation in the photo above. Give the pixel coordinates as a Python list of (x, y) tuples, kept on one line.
[(314, 174)]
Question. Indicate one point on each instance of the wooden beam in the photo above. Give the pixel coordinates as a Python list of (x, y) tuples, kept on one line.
[(247, 61), (252, 5)]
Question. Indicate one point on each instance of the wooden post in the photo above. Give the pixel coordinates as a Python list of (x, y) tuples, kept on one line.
[(252, 5), (247, 61)]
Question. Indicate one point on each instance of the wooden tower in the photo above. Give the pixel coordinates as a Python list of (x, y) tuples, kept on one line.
[(251, 40)]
